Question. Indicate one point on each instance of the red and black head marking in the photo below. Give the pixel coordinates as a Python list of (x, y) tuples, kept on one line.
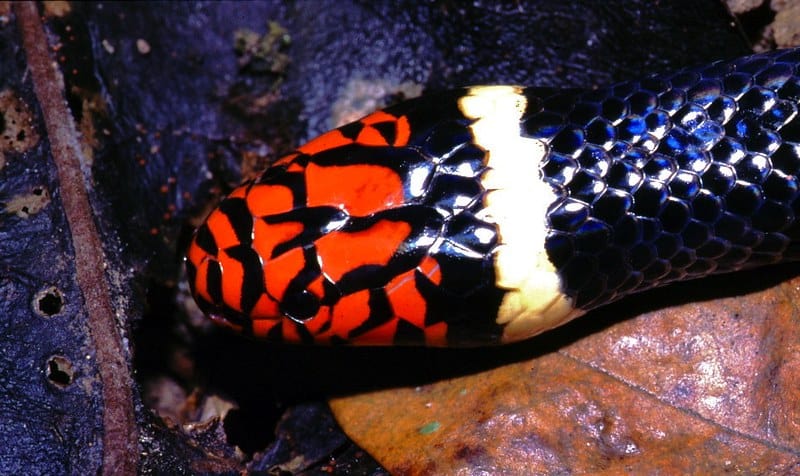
[(368, 234)]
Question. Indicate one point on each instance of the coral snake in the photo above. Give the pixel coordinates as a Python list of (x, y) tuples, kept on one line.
[(490, 214)]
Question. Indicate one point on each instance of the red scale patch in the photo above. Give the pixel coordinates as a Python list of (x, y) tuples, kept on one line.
[(286, 159), (264, 200), (201, 277), (436, 335), (233, 282), (265, 309), (316, 287), (262, 327), (409, 305), (350, 312), (430, 269), (196, 255), (266, 236), (239, 192), (289, 330), (329, 140), (406, 300), (376, 117), (370, 188), (341, 251), (381, 335), (222, 230), (372, 136), (403, 132), (316, 323), (281, 270)]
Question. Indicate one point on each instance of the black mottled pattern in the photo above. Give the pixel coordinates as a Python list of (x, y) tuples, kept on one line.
[(671, 177)]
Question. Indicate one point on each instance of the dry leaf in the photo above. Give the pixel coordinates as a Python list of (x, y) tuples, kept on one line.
[(700, 387)]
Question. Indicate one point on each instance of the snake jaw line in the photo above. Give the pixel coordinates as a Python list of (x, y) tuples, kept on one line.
[(517, 201)]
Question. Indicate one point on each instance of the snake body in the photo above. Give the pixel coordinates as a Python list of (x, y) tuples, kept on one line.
[(490, 214)]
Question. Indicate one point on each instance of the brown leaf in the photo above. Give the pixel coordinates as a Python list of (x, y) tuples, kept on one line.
[(702, 387)]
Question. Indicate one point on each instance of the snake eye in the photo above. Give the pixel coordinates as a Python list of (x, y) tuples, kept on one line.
[(300, 305)]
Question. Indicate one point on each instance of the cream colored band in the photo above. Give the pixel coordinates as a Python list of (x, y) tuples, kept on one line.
[(517, 202)]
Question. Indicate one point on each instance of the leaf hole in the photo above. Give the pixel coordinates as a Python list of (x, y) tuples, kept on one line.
[(59, 371), (48, 302)]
